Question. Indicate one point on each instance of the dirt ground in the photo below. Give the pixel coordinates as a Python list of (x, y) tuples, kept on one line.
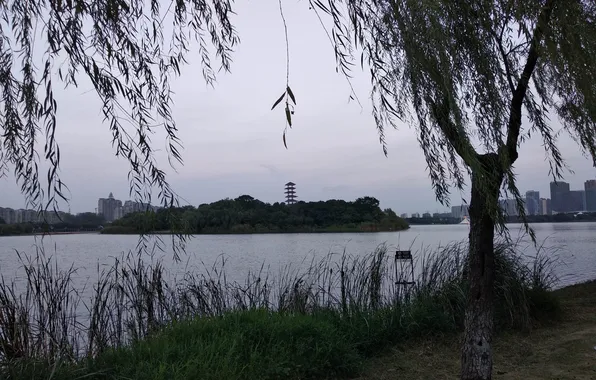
[(563, 351)]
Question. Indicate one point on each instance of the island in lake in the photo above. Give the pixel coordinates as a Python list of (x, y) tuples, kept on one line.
[(246, 214)]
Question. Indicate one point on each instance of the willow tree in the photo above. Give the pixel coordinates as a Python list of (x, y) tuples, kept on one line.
[(127, 51), (476, 79)]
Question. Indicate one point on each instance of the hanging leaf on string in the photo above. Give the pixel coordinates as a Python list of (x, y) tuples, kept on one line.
[(284, 139), (278, 101), (291, 95)]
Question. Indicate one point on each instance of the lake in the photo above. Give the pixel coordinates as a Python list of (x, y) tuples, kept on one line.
[(574, 244)]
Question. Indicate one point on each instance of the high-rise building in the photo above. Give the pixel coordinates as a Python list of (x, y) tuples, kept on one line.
[(509, 207), (8, 215), (132, 206), (545, 207), (559, 193), (459, 211), (290, 191), (590, 189), (576, 201), (11, 216), (109, 208), (533, 202)]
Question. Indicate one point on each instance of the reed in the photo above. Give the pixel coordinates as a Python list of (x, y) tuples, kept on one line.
[(352, 305)]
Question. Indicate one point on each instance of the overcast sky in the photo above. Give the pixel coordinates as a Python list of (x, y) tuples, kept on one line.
[(233, 141)]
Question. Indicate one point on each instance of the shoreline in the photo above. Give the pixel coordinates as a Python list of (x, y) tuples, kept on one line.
[(55, 233), (255, 232)]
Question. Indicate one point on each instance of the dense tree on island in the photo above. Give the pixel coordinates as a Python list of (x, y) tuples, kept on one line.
[(246, 214)]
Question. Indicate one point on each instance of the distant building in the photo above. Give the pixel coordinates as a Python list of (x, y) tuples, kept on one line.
[(427, 215), (132, 206), (11, 216), (441, 215), (25, 216), (403, 216), (8, 215), (590, 189), (460, 211), (51, 217), (545, 207), (559, 193), (290, 192), (509, 207), (533, 202), (415, 215), (576, 201), (109, 208)]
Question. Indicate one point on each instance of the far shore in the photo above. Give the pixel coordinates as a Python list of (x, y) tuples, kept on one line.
[(322, 231)]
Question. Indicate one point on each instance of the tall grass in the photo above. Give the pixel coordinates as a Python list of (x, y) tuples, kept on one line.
[(347, 307)]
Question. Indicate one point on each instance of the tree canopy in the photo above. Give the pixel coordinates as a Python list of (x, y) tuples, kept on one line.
[(247, 215), (475, 78), (129, 51)]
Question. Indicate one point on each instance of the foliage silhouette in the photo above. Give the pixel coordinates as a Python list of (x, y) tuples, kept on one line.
[(248, 215)]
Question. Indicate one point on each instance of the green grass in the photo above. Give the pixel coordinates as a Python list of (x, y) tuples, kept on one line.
[(260, 344), (557, 351), (240, 345)]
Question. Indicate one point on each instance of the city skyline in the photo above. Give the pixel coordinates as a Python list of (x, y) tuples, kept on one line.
[(567, 200), (438, 209), (535, 203), (16, 216), (110, 208)]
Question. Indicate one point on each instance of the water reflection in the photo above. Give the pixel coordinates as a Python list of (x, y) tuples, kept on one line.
[(573, 243)]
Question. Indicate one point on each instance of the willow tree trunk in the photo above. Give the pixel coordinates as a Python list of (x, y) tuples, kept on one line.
[(476, 363)]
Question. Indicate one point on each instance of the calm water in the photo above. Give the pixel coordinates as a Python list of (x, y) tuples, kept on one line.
[(574, 243)]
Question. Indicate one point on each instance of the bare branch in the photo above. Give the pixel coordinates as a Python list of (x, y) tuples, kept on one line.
[(508, 71), (458, 138), (515, 116)]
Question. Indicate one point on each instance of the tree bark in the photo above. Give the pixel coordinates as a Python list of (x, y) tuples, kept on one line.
[(476, 363)]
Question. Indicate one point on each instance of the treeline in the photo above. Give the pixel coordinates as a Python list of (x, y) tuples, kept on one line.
[(556, 218), (246, 214), (433, 220), (16, 229), (67, 222)]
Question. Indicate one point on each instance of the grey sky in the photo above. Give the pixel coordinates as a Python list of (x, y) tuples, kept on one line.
[(233, 142)]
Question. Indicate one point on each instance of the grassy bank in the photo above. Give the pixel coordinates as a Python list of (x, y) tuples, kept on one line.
[(562, 350), (324, 321)]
